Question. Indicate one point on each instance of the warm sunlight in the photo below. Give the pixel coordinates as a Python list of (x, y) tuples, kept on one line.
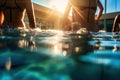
[(59, 5)]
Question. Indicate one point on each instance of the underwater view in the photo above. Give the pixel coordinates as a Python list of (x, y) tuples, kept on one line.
[(59, 55)]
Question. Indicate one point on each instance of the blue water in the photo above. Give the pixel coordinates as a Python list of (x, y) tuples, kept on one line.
[(57, 55)]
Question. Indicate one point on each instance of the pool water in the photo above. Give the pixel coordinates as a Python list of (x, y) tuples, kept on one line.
[(57, 55)]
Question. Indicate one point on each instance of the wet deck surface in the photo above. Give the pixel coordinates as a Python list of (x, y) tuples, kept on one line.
[(57, 55)]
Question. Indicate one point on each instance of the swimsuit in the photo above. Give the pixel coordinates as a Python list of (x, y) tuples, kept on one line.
[(4, 7), (84, 13)]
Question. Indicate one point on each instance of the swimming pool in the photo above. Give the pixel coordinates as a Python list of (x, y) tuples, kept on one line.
[(57, 55)]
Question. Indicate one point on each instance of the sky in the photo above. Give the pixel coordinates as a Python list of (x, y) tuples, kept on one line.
[(59, 5), (112, 5), (42, 2)]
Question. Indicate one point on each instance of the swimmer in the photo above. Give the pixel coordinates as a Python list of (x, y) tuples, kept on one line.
[(14, 13), (83, 13), (116, 24)]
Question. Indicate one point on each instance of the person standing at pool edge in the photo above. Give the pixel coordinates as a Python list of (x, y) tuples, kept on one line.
[(14, 13), (116, 23), (83, 14)]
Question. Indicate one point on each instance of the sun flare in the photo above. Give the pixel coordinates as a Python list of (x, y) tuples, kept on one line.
[(59, 5)]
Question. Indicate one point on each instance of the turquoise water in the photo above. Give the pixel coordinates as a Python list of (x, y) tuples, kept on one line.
[(57, 55)]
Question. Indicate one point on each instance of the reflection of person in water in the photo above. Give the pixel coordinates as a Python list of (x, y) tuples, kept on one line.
[(83, 13), (78, 45), (116, 24), (14, 12), (17, 44)]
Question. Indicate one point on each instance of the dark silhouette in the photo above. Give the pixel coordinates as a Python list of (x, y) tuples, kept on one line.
[(14, 12), (116, 24), (83, 14)]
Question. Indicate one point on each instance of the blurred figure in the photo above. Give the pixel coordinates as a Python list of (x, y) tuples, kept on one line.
[(14, 12), (116, 24), (83, 14), (1, 17)]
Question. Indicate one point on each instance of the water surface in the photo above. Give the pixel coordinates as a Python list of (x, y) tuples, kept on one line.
[(57, 55)]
